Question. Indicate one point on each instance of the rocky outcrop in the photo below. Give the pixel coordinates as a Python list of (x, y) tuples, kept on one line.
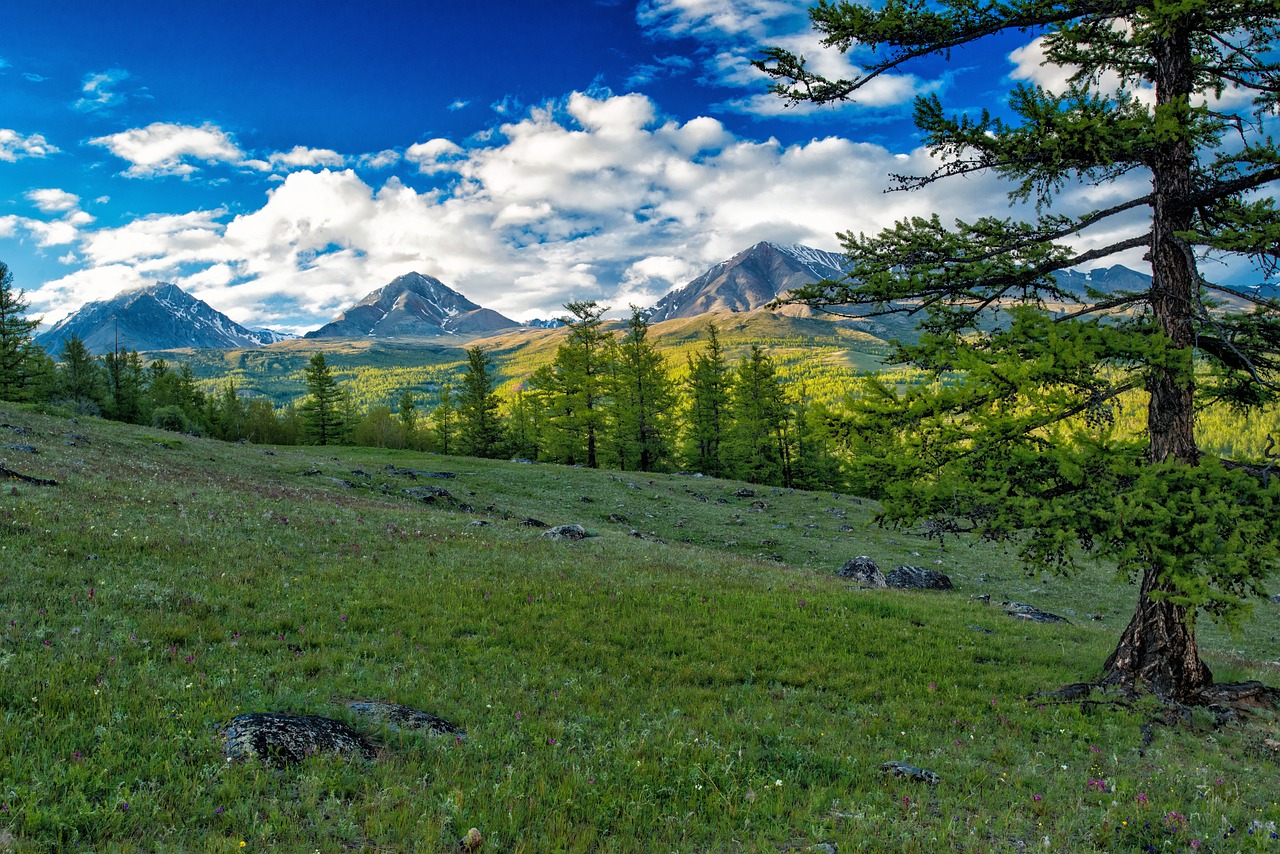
[(565, 532), (281, 739), (396, 717)]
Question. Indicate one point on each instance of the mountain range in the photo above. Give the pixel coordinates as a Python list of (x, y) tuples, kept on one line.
[(164, 317), (159, 316)]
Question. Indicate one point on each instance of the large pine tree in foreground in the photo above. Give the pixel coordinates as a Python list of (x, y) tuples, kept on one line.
[(1012, 441)]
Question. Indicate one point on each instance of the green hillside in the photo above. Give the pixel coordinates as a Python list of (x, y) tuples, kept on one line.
[(692, 677)]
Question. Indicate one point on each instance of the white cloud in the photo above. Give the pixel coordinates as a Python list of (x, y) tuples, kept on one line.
[(98, 89), (433, 155), (458, 105), (54, 201), (594, 197), (379, 159), (14, 145), (162, 148), (59, 298), (299, 157)]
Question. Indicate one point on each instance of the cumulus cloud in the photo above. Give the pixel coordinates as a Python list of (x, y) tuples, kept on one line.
[(592, 197), (299, 157), (14, 145), (162, 148), (98, 90), (53, 200), (458, 105), (384, 159)]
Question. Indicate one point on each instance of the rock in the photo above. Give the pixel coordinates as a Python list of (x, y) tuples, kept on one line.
[(396, 717), (414, 474), (985, 631), (565, 532), (479, 523), (523, 460), (534, 523), (429, 494), (345, 484), (281, 739), (1019, 611), (266, 453), (917, 578), (985, 598), (743, 492), (618, 518), (760, 505), (586, 499), (910, 772), (864, 571), (473, 840), (23, 449), (824, 848)]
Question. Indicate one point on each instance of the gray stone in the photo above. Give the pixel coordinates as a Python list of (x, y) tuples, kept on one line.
[(534, 523), (1019, 611), (429, 494), (396, 717), (864, 571), (565, 532), (743, 492), (917, 578), (911, 772), (281, 739), (23, 449)]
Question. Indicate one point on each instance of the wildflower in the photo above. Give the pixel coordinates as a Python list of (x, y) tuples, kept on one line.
[(777, 783), (219, 811), (342, 617), (1036, 798), (1141, 798), (124, 806)]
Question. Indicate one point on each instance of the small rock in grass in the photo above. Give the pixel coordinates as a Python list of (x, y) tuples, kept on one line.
[(23, 449), (864, 571), (473, 840), (1019, 611), (397, 717), (281, 739), (534, 523), (565, 532), (911, 772)]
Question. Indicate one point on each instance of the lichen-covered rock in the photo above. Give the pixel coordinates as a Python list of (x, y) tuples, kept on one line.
[(281, 739), (396, 717), (864, 571), (1019, 611), (534, 523), (565, 532), (911, 772), (429, 494), (917, 578)]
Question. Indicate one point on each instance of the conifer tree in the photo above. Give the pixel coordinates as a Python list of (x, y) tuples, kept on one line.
[(758, 450), (708, 383), (322, 410), (1013, 446), (126, 381), (80, 382), (18, 363), (641, 397), (574, 387), (407, 416), (444, 421), (479, 428)]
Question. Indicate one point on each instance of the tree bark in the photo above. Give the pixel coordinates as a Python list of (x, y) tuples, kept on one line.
[(1158, 649)]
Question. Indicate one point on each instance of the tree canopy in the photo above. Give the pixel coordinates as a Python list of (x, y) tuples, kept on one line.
[(1173, 102)]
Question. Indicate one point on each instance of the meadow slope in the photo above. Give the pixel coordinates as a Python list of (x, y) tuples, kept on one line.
[(693, 677)]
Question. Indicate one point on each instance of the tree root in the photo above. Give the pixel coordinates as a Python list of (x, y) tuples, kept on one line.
[(10, 474)]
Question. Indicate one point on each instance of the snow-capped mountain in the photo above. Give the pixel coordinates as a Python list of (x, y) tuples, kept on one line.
[(413, 305), (160, 316), (1103, 280), (749, 280)]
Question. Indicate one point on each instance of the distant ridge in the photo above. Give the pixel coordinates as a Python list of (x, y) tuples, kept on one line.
[(413, 305), (749, 280), (160, 316)]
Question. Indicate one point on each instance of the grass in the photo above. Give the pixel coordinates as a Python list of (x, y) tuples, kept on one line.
[(718, 691)]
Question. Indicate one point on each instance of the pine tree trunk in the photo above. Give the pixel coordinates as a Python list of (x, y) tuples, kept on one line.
[(1158, 649)]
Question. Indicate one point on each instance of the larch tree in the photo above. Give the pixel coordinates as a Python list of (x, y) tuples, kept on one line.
[(573, 387), (758, 447), (17, 352), (322, 414), (707, 421), (480, 431), (1174, 100), (641, 398)]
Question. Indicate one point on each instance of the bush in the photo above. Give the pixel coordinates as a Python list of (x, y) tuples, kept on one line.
[(171, 418)]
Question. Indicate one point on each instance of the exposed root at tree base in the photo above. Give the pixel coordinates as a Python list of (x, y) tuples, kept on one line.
[(1228, 701)]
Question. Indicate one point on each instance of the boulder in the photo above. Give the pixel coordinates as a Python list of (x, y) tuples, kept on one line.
[(429, 494), (533, 523), (910, 772), (863, 571), (565, 532), (281, 739), (917, 578)]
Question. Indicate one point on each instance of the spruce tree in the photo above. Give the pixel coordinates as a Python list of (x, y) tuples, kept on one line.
[(18, 365), (641, 397), (479, 428), (81, 385), (444, 420), (1013, 445), (407, 416)]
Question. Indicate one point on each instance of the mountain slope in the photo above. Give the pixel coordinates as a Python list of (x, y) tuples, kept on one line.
[(749, 280), (161, 316), (413, 305)]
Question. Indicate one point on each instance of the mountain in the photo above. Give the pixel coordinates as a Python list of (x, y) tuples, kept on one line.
[(160, 316), (413, 305), (544, 323), (1106, 280), (749, 280)]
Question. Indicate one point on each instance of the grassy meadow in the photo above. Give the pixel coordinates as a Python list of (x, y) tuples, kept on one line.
[(707, 685)]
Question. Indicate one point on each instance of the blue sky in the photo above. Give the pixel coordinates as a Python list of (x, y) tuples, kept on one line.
[(282, 159)]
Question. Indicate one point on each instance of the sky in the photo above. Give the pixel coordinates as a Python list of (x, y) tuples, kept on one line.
[(280, 160)]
